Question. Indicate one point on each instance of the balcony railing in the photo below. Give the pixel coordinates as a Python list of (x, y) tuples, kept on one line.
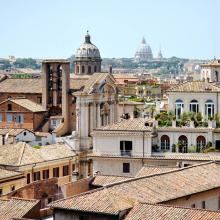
[(126, 153)]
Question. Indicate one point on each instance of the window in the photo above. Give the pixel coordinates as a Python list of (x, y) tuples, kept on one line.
[(73, 167), (1, 192), (9, 107), (126, 148), (81, 217), (203, 204), (9, 118), (83, 69), (12, 187), (183, 144), (65, 170), (28, 178), (209, 109), (56, 172), (165, 142), (39, 100), (95, 69), (20, 119), (0, 117), (89, 69), (49, 200), (194, 106), (77, 69), (45, 174), (36, 175), (25, 133), (200, 143), (126, 167), (193, 206), (178, 108)]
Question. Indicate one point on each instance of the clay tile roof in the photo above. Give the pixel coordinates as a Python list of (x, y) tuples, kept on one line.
[(136, 124), (165, 212), (22, 154), (8, 173), (102, 180), (11, 131), (21, 86), (151, 189), (150, 170), (96, 78), (28, 104), (78, 82), (195, 86), (16, 208)]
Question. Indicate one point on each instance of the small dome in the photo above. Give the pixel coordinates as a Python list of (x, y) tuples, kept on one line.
[(144, 52), (87, 50)]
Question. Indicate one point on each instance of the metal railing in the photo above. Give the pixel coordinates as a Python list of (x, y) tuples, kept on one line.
[(126, 153)]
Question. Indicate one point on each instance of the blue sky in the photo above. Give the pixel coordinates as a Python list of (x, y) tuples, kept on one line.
[(56, 28)]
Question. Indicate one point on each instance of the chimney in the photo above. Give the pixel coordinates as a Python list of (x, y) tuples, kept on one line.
[(110, 69)]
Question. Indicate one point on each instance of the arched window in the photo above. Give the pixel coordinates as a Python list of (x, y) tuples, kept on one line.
[(183, 144), (194, 106), (77, 69), (89, 69), (178, 108), (216, 76), (83, 69), (95, 69), (200, 143), (209, 109), (165, 142)]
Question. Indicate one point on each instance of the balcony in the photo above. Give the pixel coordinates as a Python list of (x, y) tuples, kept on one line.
[(126, 153)]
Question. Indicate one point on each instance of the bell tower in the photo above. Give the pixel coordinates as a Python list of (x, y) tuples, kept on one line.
[(56, 84)]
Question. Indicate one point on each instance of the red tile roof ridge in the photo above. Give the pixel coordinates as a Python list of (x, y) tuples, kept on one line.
[(176, 206)]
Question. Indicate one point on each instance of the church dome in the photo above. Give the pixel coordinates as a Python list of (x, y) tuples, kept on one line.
[(87, 49), (144, 52)]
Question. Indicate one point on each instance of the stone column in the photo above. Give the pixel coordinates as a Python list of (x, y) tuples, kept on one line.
[(98, 115)]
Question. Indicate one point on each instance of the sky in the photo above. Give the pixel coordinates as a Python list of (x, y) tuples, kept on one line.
[(56, 28)]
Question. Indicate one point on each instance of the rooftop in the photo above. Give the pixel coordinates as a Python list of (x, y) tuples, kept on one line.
[(102, 180), (153, 189), (136, 124), (195, 86), (11, 131), (33, 86), (20, 153), (16, 208), (212, 63), (4, 174), (27, 104), (151, 170), (166, 212)]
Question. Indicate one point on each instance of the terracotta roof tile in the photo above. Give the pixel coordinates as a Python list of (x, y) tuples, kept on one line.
[(21, 86), (195, 86), (102, 180), (22, 154), (150, 170), (28, 104), (16, 208), (156, 212), (151, 189), (137, 124), (8, 173)]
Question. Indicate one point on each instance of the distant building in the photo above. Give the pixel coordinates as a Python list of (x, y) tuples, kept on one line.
[(144, 52), (211, 71), (87, 58)]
